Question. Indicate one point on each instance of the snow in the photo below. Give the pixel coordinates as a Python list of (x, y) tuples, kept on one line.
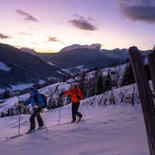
[(21, 86), (59, 72), (72, 47), (116, 74), (104, 98), (116, 53), (52, 78), (41, 81), (9, 103), (107, 130), (110, 130), (48, 90), (2, 90), (77, 46), (74, 70), (50, 63), (4, 67)]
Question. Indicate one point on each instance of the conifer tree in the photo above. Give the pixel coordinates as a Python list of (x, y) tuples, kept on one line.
[(100, 86), (128, 77), (107, 81)]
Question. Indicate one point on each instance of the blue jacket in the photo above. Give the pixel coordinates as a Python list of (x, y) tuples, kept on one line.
[(31, 99)]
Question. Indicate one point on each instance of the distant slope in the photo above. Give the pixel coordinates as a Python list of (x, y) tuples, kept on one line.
[(23, 67)]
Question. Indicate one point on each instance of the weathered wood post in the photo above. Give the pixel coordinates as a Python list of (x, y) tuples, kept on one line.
[(145, 96), (151, 59)]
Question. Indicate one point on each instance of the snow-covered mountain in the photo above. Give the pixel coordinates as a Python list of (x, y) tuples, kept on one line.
[(77, 46), (116, 53), (90, 56), (108, 129)]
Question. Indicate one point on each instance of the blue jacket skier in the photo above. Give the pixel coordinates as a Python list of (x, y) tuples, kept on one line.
[(37, 104)]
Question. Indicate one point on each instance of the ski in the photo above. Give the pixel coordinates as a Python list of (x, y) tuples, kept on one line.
[(71, 122), (15, 136), (80, 121), (36, 130), (19, 135)]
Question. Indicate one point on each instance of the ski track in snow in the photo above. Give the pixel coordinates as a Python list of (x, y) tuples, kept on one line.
[(110, 130)]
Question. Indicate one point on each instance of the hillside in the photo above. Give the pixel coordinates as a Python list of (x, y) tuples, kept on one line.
[(18, 67), (112, 120), (107, 130)]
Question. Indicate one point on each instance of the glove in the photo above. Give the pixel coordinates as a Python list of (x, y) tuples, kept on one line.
[(78, 97), (36, 106)]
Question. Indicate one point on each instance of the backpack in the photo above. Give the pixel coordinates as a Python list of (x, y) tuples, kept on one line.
[(78, 97), (45, 100)]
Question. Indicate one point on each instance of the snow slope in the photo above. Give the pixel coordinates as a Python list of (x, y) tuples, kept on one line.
[(107, 130)]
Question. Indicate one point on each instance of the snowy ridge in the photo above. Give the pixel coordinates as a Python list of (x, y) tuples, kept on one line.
[(116, 73), (116, 53), (77, 46)]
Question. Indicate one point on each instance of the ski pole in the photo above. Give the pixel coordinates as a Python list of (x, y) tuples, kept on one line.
[(59, 113), (45, 126), (19, 120), (60, 104)]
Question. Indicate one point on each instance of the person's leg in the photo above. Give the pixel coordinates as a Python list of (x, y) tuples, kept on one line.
[(77, 107), (73, 112), (39, 119), (32, 120)]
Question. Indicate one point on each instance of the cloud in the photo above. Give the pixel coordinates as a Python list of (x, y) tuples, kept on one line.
[(54, 39), (2, 36), (138, 10), (96, 46), (27, 16), (83, 24)]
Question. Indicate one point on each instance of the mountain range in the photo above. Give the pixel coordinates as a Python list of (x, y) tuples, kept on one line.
[(18, 66), (90, 56)]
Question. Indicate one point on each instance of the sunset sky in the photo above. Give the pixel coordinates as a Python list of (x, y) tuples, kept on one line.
[(50, 25)]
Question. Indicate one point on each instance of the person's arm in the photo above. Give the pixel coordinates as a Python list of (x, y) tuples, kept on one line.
[(67, 92), (80, 94)]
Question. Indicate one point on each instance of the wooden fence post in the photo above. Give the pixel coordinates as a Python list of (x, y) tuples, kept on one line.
[(151, 59), (145, 96)]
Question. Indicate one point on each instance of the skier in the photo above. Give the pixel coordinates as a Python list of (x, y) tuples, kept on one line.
[(76, 96), (37, 104)]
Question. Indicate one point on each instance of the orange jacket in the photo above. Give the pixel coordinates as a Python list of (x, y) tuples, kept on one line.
[(76, 94)]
